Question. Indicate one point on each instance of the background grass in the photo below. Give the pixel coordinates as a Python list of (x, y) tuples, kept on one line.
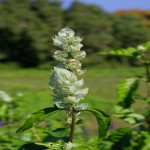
[(101, 80), (33, 83)]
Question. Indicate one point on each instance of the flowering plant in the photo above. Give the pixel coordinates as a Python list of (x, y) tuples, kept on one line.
[(63, 81), (68, 92), (136, 133)]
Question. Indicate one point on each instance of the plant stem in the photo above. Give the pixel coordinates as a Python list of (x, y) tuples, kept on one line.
[(38, 139), (148, 78), (148, 90), (72, 126)]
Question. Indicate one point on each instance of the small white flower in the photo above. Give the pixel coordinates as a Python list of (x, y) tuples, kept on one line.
[(70, 99), (140, 47), (5, 97), (60, 55), (81, 93), (66, 32), (75, 47), (79, 71), (73, 64), (78, 40), (68, 146), (58, 41), (79, 55), (61, 77), (81, 107), (79, 83)]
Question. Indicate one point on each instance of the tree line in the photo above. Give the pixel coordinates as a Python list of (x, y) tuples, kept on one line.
[(27, 28)]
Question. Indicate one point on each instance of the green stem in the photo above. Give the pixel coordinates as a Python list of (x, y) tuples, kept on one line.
[(72, 126), (148, 79)]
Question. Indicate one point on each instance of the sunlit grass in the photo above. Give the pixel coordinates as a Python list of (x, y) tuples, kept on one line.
[(33, 83)]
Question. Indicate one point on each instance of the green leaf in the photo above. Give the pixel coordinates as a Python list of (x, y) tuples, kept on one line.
[(146, 145), (148, 100), (146, 46), (51, 145), (92, 144), (3, 140), (129, 52), (37, 117), (126, 89), (32, 146), (60, 132), (80, 121), (128, 115), (103, 121)]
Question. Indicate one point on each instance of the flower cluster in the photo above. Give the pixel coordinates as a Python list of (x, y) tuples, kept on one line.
[(67, 88), (70, 54)]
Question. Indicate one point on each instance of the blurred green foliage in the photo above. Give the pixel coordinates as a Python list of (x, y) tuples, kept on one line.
[(30, 91), (130, 30), (26, 28)]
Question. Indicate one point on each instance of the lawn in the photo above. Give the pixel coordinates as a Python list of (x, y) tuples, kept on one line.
[(33, 83)]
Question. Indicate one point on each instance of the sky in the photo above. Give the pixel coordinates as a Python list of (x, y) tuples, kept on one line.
[(113, 5)]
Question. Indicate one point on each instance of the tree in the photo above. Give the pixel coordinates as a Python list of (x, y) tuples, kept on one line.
[(38, 20), (24, 53), (49, 19), (130, 30), (93, 22)]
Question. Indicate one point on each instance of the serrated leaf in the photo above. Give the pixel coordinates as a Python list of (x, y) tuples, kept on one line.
[(128, 115), (126, 89), (37, 117), (103, 121)]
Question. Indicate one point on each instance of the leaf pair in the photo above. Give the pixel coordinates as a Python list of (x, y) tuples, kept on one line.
[(103, 119), (37, 117), (126, 89)]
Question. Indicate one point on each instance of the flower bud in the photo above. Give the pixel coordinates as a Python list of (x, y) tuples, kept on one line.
[(68, 146), (60, 55), (73, 64), (79, 55)]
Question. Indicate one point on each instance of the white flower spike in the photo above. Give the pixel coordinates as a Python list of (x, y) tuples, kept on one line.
[(67, 88)]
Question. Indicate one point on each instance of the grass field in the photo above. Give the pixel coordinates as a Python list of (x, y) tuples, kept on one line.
[(33, 83)]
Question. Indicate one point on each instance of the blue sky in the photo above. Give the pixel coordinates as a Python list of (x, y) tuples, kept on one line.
[(114, 5)]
